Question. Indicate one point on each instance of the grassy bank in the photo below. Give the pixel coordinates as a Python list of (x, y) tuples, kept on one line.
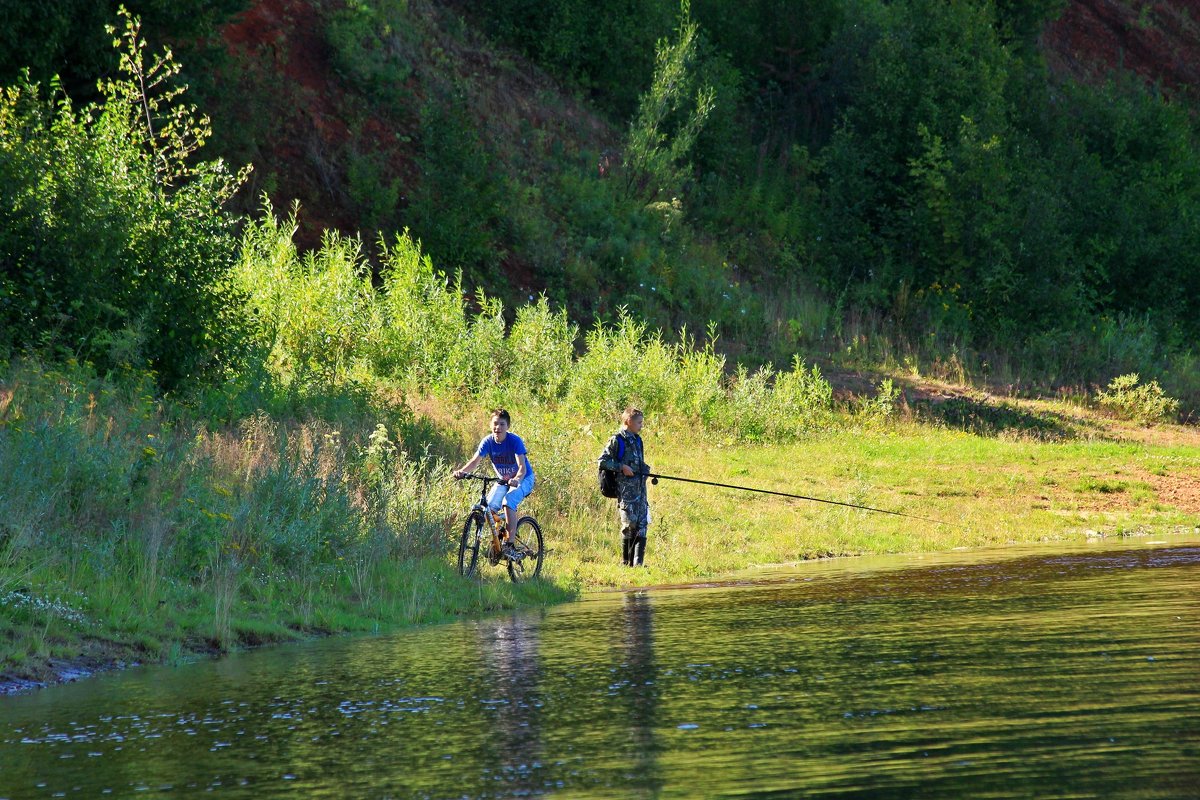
[(133, 530)]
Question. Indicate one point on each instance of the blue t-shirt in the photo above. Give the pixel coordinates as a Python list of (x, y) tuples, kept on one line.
[(504, 454)]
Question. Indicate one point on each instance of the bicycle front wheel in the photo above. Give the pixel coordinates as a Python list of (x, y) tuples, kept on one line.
[(527, 541), (468, 546)]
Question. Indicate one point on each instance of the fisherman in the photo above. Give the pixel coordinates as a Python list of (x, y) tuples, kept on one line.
[(625, 456)]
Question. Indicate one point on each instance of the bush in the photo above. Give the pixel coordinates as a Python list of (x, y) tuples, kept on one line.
[(324, 326), (457, 209), (369, 48), (314, 314), (622, 365), (765, 405), (116, 246), (669, 119), (541, 344), (608, 50), (1146, 404)]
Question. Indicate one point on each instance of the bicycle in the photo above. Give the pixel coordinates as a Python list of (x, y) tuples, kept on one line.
[(526, 539)]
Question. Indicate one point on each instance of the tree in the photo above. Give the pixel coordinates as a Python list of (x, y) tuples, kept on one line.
[(116, 245), (669, 118)]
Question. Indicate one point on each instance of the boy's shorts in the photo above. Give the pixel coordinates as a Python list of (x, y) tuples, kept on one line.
[(510, 496)]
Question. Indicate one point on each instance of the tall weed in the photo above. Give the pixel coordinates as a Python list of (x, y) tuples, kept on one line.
[(542, 344), (314, 312)]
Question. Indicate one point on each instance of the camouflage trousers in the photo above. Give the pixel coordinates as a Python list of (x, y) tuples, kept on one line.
[(635, 516)]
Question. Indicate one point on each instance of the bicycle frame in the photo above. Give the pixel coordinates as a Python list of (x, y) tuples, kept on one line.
[(524, 560), (490, 518)]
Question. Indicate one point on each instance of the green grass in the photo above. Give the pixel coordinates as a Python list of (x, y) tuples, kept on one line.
[(986, 492)]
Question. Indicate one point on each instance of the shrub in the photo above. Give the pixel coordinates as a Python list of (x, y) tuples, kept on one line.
[(1146, 403), (765, 405), (116, 246), (663, 133), (419, 317), (623, 364), (367, 40), (542, 344), (457, 208), (609, 52), (313, 313), (882, 406)]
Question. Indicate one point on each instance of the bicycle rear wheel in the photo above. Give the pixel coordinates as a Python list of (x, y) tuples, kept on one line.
[(527, 540), (468, 546)]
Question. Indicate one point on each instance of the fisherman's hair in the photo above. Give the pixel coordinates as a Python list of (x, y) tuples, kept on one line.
[(503, 414), (631, 412)]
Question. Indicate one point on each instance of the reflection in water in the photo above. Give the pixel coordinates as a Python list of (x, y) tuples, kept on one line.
[(510, 653), (639, 680), (1048, 675)]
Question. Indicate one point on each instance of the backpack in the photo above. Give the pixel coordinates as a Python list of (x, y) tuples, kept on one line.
[(608, 478)]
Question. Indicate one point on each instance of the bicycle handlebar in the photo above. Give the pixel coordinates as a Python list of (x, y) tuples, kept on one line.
[(476, 476), (485, 478)]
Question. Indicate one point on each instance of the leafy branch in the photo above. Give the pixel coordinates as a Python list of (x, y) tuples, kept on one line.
[(669, 118)]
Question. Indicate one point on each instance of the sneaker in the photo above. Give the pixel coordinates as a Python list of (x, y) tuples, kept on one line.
[(509, 551)]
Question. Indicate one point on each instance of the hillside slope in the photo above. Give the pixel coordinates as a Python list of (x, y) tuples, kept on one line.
[(1158, 41), (321, 125), (314, 123)]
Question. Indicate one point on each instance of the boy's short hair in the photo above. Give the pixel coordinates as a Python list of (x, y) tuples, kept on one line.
[(502, 413), (630, 413)]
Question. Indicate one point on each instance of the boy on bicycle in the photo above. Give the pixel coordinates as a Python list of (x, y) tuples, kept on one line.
[(510, 460), (625, 456)]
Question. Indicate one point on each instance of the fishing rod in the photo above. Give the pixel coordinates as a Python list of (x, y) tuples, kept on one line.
[(656, 477)]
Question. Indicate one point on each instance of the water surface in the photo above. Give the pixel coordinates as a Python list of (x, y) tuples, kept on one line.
[(1028, 674)]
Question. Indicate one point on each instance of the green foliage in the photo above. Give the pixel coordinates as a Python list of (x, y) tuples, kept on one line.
[(623, 365), (117, 505), (776, 47), (325, 327), (374, 197), (1008, 211), (541, 344), (609, 50), (370, 50), (1021, 22), (456, 209), (426, 338), (1146, 403), (67, 38), (765, 405), (117, 246), (882, 406), (669, 119), (313, 312)]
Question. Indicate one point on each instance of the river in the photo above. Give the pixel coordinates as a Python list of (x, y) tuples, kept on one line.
[(1023, 673)]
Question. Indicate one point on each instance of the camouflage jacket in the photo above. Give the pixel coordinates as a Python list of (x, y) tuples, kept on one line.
[(628, 489)]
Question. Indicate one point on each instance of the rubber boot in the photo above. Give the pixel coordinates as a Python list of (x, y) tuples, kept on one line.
[(639, 551), (627, 546)]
